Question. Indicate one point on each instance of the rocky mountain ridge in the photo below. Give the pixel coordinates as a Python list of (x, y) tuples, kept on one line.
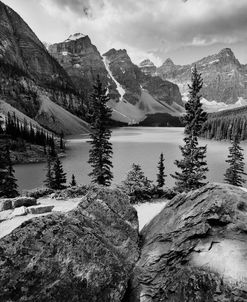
[(133, 94), (43, 85), (29, 74), (225, 78)]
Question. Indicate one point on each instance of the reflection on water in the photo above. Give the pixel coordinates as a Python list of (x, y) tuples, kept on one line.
[(130, 145)]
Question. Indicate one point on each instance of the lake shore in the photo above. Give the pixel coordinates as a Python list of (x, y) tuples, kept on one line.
[(140, 145)]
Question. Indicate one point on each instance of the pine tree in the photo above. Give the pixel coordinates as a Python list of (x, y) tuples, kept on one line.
[(61, 140), (193, 164), (58, 175), (100, 153), (161, 174), (10, 185), (3, 166), (195, 116), (49, 178), (235, 171), (1, 125), (73, 181), (137, 185), (52, 150)]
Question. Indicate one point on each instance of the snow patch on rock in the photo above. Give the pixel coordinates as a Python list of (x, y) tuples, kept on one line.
[(147, 211), (120, 89), (227, 257), (74, 37)]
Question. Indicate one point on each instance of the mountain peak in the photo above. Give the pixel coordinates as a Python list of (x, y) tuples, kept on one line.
[(168, 62), (146, 63), (114, 51), (74, 37), (226, 52)]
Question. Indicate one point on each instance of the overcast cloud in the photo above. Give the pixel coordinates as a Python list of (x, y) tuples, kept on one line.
[(180, 29)]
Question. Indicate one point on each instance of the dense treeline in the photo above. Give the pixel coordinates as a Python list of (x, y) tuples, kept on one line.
[(161, 120), (224, 124), (17, 129)]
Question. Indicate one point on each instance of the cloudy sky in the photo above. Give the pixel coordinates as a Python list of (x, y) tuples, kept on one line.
[(184, 30)]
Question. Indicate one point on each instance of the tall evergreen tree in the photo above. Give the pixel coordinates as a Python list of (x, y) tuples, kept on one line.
[(61, 143), (1, 125), (73, 181), (3, 167), (52, 150), (49, 177), (100, 154), (193, 164), (161, 172), (10, 184), (235, 171), (58, 175)]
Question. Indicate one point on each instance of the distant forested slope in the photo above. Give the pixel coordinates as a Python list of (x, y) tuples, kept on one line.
[(224, 124)]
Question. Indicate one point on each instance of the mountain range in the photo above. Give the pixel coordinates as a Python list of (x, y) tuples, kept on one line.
[(224, 77), (51, 84), (133, 94)]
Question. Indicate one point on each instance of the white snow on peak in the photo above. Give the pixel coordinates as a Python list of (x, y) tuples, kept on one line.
[(214, 61), (74, 37), (211, 62), (120, 89), (241, 101), (212, 103)]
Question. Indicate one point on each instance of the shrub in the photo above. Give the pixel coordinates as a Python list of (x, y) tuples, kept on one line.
[(137, 186)]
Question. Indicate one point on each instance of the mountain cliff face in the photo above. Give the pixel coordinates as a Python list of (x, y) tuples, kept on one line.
[(81, 59), (225, 79), (133, 94), (125, 73), (20, 47), (28, 71)]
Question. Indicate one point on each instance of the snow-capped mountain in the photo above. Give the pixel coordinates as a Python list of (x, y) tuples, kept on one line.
[(75, 37), (133, 94), (225, 79)]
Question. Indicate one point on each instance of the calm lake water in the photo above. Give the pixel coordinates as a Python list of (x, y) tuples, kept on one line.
[(130, 145)]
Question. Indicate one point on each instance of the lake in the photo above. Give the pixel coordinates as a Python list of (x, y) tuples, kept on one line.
[(130, 145)]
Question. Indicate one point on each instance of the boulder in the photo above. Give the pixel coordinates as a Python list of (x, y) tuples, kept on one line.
[(21, 211), (40, 209), (195, 250), (5, 215), (23, 201), (5, 204), (87, 254)]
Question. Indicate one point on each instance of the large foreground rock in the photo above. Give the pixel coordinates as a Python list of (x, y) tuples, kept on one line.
[(84, 255), (195, 249)]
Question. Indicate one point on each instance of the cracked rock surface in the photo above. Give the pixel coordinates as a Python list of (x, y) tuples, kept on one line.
[(86, 254), (195, 249)]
